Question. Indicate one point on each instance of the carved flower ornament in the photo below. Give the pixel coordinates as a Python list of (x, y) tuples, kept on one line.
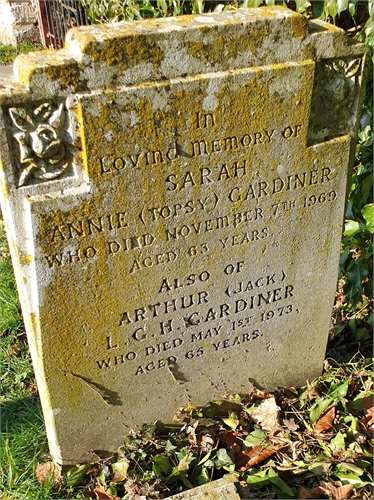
[(42, 152), (341, 77)]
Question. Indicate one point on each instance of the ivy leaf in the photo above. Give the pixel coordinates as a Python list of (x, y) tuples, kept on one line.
[(252, 3), (347, 468), (279, 483), (319, 409), (223, 459), (161, 465), (256, 438), (340, 391), (368, 215), (351, 227), (338, 443), (171, 478), (203, 477), (232, 421), (204, 459), (332, 8), (75, 475), (120, 469), (183, 464), (258, 479), (342, 5), (302, 5), (318, 7), (351, 478)]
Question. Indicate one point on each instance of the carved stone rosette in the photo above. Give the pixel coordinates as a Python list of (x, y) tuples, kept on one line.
[(42, 153)]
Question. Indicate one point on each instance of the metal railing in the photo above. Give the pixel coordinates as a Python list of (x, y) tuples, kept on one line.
[(56, 17)]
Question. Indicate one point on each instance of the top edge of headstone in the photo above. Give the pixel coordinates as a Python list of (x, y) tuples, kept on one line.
[(128, 53)]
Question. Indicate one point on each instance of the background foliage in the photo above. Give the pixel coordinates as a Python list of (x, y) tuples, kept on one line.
[(356, 14), (321, 444)]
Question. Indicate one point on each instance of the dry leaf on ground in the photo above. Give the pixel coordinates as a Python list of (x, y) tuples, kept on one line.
[(266, 414), (325, 422), (256, 455), (304, 494), (101, 494), (291, 425), (117, 477), (206, 443), (334, 490), (368, 420), (244, 459), (259, 394), (46, 470)]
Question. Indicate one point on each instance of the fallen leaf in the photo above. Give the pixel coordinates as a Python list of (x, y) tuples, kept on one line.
[(234, 445), (368, 409), (244, 459), (311, 392), (334, 490), (304, 494), (343, 492), (48, 470), (325, 422), (255, 456), (367, 404), (266, 414), (257, 393), (206, 443), (191, 434), (120, 469), (318, 492), (291, 425), (231, 421), (367, 421), (117, 477), (101, 494), (230, 438)]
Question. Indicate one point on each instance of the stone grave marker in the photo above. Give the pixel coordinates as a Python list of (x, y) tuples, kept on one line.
[(173, 192)]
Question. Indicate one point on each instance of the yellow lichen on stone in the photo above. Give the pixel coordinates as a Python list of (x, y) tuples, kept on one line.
[(299, 26), (56, 65)]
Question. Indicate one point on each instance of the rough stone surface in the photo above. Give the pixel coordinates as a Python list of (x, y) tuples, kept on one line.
[(18, 22), (173, 192), (220, 489)]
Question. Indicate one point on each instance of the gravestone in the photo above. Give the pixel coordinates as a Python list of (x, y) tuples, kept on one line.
[(173, 192)]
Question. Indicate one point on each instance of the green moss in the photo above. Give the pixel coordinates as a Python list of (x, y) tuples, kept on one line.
[(8, 52)]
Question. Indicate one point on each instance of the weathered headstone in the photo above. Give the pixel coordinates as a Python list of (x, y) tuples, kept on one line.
[(173, 192)]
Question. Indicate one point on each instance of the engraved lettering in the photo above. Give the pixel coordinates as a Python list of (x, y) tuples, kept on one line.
[(204, 120), (86, 227), (154, 365)]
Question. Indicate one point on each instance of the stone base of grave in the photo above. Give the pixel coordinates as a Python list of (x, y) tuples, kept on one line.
[(226, 488)]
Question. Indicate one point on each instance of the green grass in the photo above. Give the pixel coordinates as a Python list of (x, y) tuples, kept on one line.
[(8, 52), (23, 444), (23, 439)]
